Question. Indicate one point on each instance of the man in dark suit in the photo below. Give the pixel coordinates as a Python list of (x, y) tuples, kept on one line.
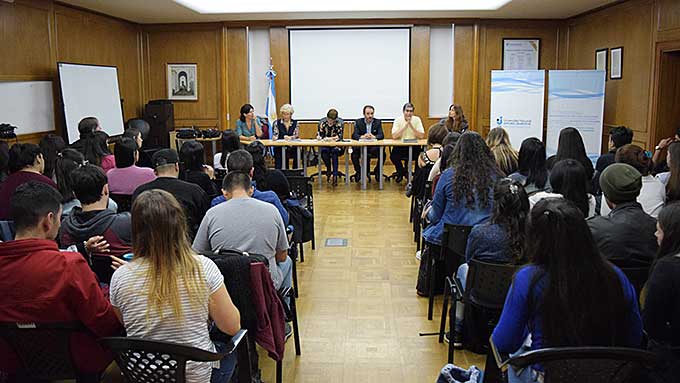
[(367, 128)]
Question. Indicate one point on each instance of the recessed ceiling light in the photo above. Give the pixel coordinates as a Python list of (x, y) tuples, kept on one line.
[(290, 6)]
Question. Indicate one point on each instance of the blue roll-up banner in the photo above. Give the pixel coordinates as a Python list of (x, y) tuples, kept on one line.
[(576, 99), (517, 103)]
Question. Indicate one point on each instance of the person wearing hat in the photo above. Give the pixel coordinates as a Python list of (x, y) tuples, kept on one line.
[(330, 129), (194, 200), (626, 235)]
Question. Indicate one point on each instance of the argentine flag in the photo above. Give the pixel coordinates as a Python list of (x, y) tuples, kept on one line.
[(270, 108)]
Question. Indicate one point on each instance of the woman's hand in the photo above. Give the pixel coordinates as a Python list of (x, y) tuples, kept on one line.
[(97, 244), (207, 169), (117, 262)]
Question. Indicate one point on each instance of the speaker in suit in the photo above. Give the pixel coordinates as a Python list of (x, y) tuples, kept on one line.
[(361, 128)]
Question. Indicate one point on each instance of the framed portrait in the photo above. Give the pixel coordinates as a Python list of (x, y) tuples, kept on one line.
[(521, 54), (616, 63), (601, 59), (182, 82)]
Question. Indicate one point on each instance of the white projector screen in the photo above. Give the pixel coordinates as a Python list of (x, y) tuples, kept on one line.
[(90, 91), (348, 68)]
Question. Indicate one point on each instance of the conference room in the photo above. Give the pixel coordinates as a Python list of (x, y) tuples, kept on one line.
[(306, 191)]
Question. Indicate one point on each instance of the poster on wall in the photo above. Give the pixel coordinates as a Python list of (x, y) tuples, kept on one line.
[(521, 54), (576, 99), (517, 103)]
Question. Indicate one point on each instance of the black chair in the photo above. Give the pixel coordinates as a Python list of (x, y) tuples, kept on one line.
[(584, 364), (124, 201), (487, 285), (636, 272), (293, 172), (454, 242), (146, 361), (44, 350), (301, 188)]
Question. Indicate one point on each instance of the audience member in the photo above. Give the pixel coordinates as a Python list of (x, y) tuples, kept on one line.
[(264, 178), (108, 161), (259, 228), (50, 146), (405, 127), (126, 176), (26, 164), (532, 171), (448, 145), (568, 179), (659, 157), (229, 143), (194, 169), (42, 284), (367, 128), (506, 156), (192, 198), (4, 161), (285, 128), (93, 144), (435, 138), (569, 295), (68, 161), (626, 235), (144, 161), (168, 292), (464, 196), (661, 314), (671, 178), (455, 121), (618, 136), (653, 193), (91, 188), (247, 126), (241, 161), (570, 146), (331, 129)]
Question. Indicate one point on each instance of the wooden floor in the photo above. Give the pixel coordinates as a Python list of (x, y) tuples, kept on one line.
[(358, 310)]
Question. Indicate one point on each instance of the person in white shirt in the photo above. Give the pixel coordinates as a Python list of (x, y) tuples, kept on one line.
[(405, 127)]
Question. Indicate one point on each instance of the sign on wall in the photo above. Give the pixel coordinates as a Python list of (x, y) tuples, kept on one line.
[(517, 103)]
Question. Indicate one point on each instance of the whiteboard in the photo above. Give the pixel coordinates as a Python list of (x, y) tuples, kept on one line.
[(90, 91), (348, 68), (28, 105)]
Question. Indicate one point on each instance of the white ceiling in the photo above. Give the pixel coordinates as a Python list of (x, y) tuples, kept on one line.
[(167, 11)]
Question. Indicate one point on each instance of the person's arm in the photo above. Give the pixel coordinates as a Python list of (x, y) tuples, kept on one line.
[(296, 130), (417, 127), (438, 202), (320, 131), (355, 133), (281, 240), (342, 130), (223, 311), (659, 154), (398, 128), (380, 135), (275, 130), (472, 244), (258, 128), (657, 312), (239, 130), (511, 329)]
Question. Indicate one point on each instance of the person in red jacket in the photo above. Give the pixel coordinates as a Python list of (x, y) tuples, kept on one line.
[(38, 283)]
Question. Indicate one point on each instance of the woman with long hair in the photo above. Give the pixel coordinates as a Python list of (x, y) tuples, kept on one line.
[(505, 155), (193, 168), (247, 126), (230, 142), (435, 139), (170, 293), (464, 196), (568, 295), (89, 143), (51, 145), (267, 179), (672, 178), (447, 148), (532, 171), (455, 121), (568, 180), (570, 145)]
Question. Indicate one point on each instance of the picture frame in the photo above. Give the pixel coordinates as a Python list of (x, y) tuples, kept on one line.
[(616, 63), (521, 53), (182, 82), (602, 60)]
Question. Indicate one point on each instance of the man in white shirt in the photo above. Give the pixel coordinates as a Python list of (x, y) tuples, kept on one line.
[(405, 127)]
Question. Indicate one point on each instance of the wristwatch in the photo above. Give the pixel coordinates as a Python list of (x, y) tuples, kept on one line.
[(657, 148)]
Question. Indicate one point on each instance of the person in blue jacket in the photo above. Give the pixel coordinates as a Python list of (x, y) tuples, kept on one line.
[(569, 295)]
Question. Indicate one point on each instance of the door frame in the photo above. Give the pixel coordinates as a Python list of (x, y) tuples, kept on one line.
[(661, 49)]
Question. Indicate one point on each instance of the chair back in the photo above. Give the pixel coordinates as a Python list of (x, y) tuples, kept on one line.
[(293, 172), (43, 348), (454, 241), (124, 201), (146, 361), (488, 283), (7, 231), (636, 272), (302, 190), (589, 364)]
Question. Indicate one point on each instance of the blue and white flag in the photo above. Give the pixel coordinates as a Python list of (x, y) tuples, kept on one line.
[(270, 108)]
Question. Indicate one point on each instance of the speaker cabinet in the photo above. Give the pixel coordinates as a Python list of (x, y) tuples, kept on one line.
[(160, 115)]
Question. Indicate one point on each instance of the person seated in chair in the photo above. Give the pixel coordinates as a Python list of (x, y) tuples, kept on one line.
[(331, 129), (285, 128), (91, 188), (40, 284), (626, 235), (405, 127), (367, 128), (126, 176), (192, 198)]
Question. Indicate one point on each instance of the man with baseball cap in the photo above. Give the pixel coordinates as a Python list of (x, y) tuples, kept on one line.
[(191, 196), (626, 235)]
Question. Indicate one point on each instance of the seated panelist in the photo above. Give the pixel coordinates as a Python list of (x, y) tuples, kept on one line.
[(285, 128), (367, 128), (405, 127), (330, 129)]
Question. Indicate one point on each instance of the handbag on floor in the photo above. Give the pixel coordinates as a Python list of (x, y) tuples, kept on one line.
[(453, 374)]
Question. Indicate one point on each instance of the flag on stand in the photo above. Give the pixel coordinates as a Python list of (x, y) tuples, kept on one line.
[(270, 108)]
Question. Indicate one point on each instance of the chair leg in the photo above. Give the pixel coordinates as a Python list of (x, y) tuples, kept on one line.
[(279, 371), (243, 361), (410, 216), (302, 252), (295, 277), (452, 321), (431, 275), (296, 331), (445, 306)]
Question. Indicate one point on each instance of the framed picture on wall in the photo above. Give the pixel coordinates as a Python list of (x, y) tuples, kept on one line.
[(182, 82), (601, 59), (616, 63), (521, 54)]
